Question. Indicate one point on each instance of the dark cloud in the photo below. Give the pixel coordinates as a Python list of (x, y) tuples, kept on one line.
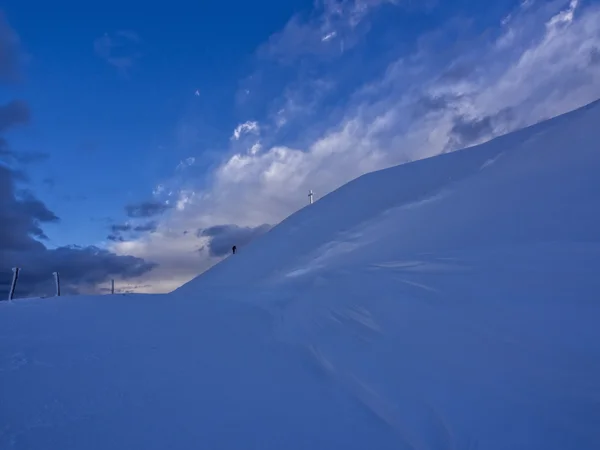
[(14, 113), (119, 228), (467, 131), (79, 267), (223, 237), (120, 49), (146, 227), (23, 157), (10, 53), (11, 157), (22, 217), (146, 209), (131, 289), (431, 103), (427, 103)]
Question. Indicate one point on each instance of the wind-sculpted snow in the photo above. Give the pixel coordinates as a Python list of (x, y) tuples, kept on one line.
[(450, 303)]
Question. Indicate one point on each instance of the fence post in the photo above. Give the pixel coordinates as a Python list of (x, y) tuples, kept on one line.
[(13, 285), (57, 282)]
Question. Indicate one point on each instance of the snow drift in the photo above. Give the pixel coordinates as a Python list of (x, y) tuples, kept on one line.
[(451, 303)]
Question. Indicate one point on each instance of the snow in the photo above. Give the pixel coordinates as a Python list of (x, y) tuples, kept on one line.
[(450, 303)]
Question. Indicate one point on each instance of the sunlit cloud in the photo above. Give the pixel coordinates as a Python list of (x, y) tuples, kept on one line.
[(245, 128), (537, 64)]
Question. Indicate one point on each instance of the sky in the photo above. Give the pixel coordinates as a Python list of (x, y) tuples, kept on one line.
[(141, 144)]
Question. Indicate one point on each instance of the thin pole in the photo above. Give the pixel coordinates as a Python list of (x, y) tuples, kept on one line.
[(112, 287), (57, 282), (13, 285)]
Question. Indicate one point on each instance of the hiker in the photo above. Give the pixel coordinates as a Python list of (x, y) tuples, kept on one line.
[(233, 249)]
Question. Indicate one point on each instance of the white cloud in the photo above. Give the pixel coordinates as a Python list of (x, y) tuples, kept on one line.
[(337, 18), (244, 128), (413, 110), (329, 36), (257, 147), (185, 198), (564, 17), (301, 99), (186, 163), (159, 189)]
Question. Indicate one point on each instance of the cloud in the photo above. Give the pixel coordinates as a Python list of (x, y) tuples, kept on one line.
[(82, 270), (146, 227), (11, 157), (10, 52), (329, 36), (245, 128), (565, 16), (14, 113), (256, 147), (427, 104), (224, 237), (22, 217), (147, 209), (118, 228), (126, 227), (467, 131), (188, 162), (120, 49), (455, 86), (333, 28), (119, 231)]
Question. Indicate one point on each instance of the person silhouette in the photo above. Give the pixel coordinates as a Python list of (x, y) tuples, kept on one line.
[(233, 249)]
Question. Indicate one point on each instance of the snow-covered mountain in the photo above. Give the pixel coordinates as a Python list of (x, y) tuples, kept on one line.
[(450, 303)]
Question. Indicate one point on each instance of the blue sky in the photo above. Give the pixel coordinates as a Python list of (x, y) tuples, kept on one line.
[(225, 114), (112, 131)]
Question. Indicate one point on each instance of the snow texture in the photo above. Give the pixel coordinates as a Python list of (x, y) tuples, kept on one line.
[(450, 303)]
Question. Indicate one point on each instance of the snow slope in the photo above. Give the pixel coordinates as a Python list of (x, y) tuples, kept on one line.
[(451, 303)]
